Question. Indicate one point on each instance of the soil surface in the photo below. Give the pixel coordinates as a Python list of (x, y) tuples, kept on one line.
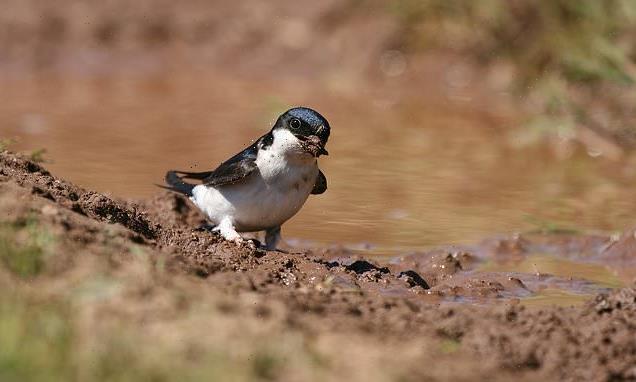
[(303, 315), (97, 288)]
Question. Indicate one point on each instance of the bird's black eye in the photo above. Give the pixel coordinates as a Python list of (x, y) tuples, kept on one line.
[(295, 124)]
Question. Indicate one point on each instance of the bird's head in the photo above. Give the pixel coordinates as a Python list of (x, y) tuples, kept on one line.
[(308, 126)]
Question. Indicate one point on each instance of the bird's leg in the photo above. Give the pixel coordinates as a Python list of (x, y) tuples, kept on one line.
[(272, 237), (226, 229)]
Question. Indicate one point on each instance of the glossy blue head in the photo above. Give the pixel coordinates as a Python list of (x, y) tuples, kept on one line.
[(308, 126)]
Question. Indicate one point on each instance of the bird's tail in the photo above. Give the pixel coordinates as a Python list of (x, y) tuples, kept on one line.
[(175, 183)]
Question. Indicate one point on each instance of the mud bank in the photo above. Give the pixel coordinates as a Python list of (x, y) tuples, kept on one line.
[(135, 281)]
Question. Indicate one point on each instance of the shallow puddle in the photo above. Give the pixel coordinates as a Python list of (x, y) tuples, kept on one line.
[(556, 297), (536, 270), (407, 170), (539, 264), (558, 281), (400, 177)]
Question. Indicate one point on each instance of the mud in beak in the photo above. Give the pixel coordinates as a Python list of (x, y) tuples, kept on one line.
[(313, 145)]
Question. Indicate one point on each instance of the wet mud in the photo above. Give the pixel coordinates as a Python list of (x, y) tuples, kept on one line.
[(461, 312)]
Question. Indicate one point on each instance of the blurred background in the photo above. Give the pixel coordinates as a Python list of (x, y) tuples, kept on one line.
[(451, 120)]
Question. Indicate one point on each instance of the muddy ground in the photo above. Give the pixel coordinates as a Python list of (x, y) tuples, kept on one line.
[(98, 288)]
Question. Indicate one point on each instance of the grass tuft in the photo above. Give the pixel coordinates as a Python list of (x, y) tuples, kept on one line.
[(5, 143), (37, 155), (36, 342), (23, 247), (266, 366)]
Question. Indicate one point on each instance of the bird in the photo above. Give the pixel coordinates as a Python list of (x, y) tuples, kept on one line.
[(267, 183)]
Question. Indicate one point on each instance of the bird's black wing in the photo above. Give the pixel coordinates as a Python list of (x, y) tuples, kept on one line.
[(234, 169), (321, 184)]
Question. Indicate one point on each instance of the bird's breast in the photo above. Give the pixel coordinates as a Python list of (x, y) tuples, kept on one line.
[(281, 170), (275, 194)]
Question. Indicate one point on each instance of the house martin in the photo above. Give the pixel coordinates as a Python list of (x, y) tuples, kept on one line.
[(264, 185)]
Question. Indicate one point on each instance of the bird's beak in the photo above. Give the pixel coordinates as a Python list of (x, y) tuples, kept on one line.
[(322, 150), (313, 144)]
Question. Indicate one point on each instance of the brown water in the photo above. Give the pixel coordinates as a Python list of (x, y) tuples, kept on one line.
[(407, 169)]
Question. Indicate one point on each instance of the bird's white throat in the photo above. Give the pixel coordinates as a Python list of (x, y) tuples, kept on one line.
[(271, 195), (286, 144)]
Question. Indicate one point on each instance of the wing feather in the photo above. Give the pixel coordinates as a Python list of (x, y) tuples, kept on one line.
[(233, 170)]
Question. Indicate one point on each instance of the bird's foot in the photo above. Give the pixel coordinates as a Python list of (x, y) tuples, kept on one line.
[(272, 238), (228, 232), (229, 235), (252, 244)]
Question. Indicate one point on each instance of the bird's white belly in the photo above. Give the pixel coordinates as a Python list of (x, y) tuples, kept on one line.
[(265, 199)]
